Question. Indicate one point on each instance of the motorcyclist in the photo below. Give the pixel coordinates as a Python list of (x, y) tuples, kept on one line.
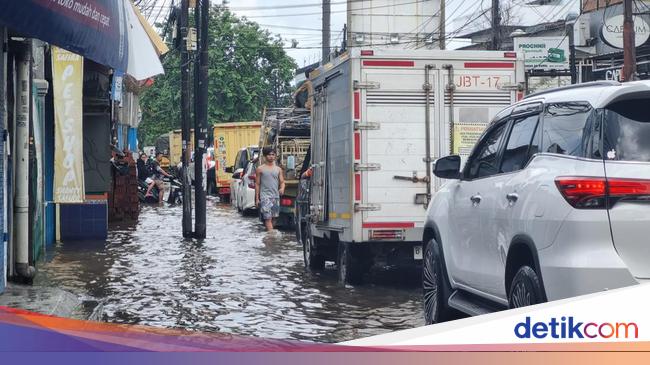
[(156, 179), (145, 172)]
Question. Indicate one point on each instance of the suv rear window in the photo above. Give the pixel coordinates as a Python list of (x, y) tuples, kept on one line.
[(566, 128), (626, 134)]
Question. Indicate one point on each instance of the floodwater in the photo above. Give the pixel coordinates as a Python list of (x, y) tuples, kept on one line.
[(239, 280)]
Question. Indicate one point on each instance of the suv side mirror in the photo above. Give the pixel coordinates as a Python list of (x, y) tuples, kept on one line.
[(229, 170), (447, 167)]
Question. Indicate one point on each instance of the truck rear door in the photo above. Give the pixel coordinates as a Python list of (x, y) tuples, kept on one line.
[(391, 134)]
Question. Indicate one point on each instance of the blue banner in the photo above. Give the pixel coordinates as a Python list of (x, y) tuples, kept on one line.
[(94, 29)]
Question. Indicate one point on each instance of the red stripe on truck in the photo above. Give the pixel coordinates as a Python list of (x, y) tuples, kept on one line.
[(489, 65), (357, 105), (389, 225), (357, 146), (357, 187), (388, 63)]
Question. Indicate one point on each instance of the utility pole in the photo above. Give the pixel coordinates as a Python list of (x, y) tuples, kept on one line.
[(496, 25), (201, 118), (326, 30), (442, 39), (629, 46), (570, 26), (185, 119)]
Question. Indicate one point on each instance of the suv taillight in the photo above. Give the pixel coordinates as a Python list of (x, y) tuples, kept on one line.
[(598, 192), (251, 181)]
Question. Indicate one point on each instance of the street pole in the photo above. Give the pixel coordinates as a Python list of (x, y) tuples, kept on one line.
[(570, 26), (629, 46), (185, 120), (326, 30), (441, 29), (201, 118), (496, 25)]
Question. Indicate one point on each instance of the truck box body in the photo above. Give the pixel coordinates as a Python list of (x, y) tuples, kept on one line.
[(176, 146), (369, 139), (229, 138)]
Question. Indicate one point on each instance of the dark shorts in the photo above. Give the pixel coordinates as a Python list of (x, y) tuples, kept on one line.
[(269, 208)]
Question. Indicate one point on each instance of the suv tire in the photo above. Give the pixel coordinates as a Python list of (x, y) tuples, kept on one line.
[(435, 285), (525, 289)]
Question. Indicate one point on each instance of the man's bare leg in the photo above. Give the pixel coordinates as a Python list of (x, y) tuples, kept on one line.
[(149, 189), (268, 223)]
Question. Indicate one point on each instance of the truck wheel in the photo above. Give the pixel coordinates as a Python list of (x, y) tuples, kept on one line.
[(313, 261), (435, 285), (351, 269), (525, 289)]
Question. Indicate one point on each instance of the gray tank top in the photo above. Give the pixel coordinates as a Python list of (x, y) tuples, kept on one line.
[(270, 182)]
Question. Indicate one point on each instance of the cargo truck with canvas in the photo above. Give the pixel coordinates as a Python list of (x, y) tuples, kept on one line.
[(229, 139), (380, 118)]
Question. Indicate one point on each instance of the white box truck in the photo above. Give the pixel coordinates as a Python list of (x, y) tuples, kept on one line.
[(380, 119)]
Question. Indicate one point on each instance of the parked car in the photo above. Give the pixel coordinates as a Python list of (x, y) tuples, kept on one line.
[(237, 186), (551, 204), (245, 189)]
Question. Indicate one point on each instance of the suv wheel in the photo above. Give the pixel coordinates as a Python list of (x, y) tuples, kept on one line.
[(435, 286), (313, 261), (525, 289)]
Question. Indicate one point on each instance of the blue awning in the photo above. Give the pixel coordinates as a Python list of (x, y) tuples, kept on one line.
[(95, 29)]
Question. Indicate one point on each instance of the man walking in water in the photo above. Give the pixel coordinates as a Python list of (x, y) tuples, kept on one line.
[(269, 186)]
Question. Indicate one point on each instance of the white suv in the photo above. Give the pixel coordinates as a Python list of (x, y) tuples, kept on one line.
[(553, 202)]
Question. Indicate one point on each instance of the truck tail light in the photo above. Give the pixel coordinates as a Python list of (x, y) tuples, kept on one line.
[(510, 55), (387, 235), (251, 181), (367, 53), (286, 202), (600, 193)]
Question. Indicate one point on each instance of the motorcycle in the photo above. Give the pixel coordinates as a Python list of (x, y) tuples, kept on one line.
[(175, 193)]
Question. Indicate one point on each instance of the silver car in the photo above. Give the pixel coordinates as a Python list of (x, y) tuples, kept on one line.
[(553, 202)]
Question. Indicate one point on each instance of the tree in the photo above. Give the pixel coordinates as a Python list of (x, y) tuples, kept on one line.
[(249, 70)]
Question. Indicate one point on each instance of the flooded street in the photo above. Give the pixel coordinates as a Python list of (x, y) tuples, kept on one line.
[(239, 280)]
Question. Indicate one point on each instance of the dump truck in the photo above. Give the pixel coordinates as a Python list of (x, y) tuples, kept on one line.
[(287, 131), (380, 119), (229, 138)]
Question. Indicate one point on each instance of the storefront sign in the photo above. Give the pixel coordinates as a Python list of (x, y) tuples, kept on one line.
[(67, 77), (117, 87), (95, 29), (612, 31), (544, 53)]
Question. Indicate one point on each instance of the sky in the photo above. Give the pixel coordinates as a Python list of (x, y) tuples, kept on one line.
[(464, 16), (302, 20), (307, 27)]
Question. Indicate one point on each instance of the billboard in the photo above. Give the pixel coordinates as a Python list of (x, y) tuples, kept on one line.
[(544, 53)]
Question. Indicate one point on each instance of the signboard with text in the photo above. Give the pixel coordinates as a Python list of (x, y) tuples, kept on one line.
[(67, 78), (94, 29), (544, 53)]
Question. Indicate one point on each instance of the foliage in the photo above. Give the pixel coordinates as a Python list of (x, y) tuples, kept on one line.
[(249, 70)]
